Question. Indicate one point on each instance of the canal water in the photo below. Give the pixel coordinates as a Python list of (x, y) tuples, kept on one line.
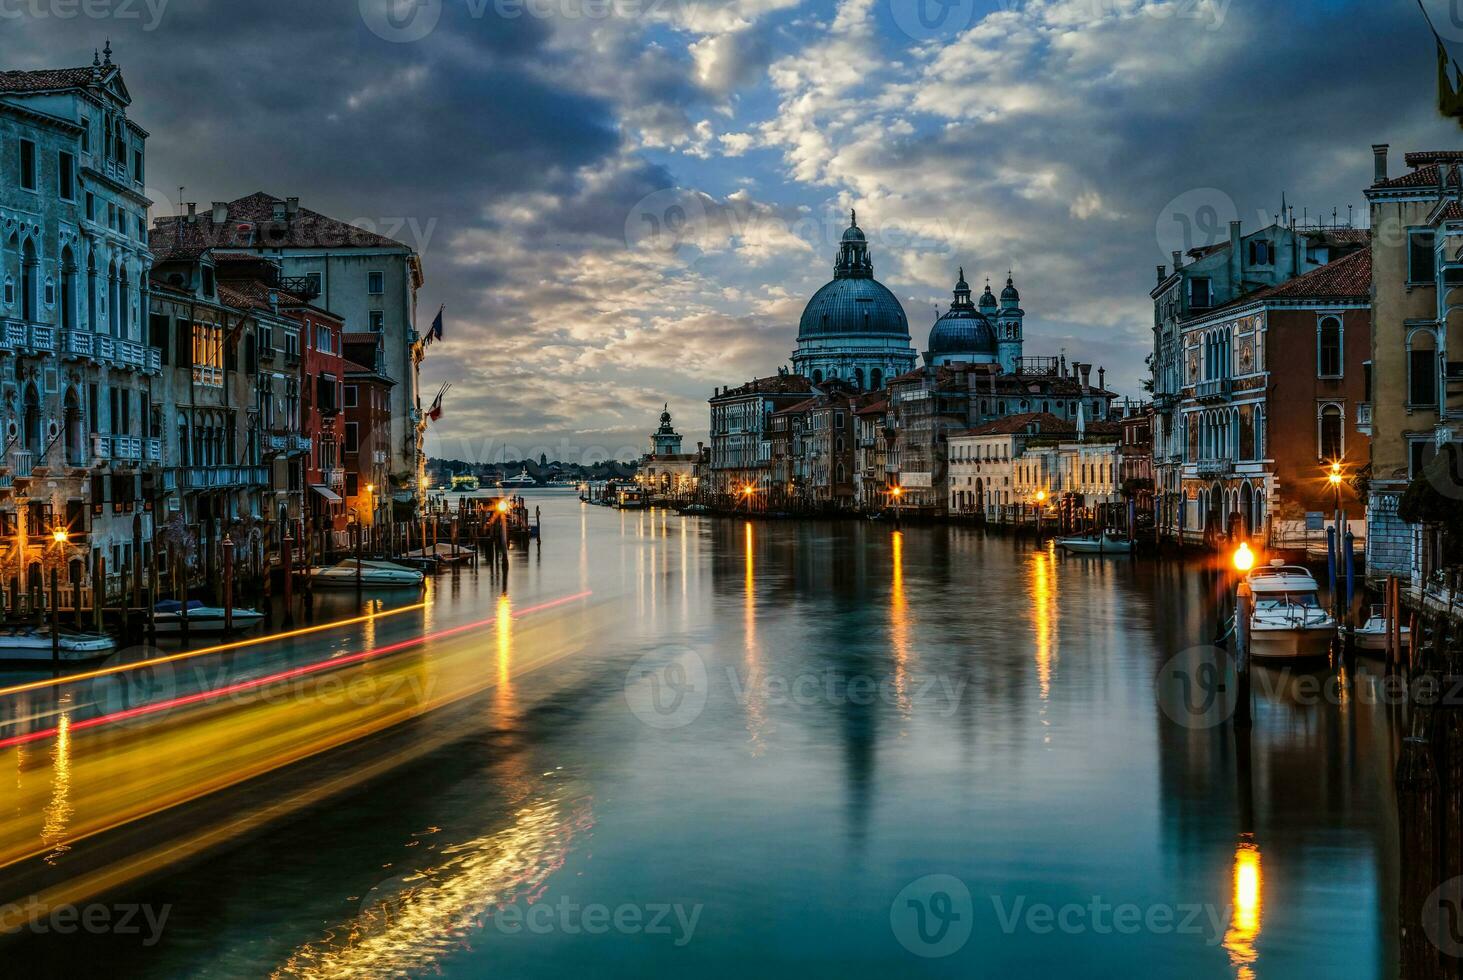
[(796, 749)]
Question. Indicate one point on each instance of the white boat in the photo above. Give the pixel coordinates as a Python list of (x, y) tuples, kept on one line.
[(32, 644), (521, 480), (1104, 544), (1287, 621), (373, 574), (203, 620), (1371, 636)]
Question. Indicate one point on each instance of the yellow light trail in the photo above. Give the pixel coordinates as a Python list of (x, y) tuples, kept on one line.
[(190, 654)]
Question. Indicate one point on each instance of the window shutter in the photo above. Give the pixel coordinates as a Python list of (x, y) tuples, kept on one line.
[(183, 343)]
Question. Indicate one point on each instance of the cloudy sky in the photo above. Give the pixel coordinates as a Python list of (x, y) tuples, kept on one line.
[(625, 202)]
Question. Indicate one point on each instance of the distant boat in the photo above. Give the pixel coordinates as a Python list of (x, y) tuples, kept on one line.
[(202, 620), (31, 644), (521, 480), (465, 484), (373, 574), (1103, 544)]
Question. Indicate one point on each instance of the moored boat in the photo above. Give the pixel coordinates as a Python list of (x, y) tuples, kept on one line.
[(1102, 544), (32, 644), (202, 620), (373, 575), (1287, 621), (1371, 636)]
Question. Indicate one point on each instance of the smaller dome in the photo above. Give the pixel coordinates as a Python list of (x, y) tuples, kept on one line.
[(988, 298), (853, 233), (1010, 293)]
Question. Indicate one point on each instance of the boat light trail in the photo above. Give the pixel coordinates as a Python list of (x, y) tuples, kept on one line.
[(220, 648), (200, 697)]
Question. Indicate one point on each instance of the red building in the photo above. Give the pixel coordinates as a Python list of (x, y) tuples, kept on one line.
[(366, 437), (321, 395)]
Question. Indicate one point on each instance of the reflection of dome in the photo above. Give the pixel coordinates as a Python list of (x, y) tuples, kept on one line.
[(963, 333)]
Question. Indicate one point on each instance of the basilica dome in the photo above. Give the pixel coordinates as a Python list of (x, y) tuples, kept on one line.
[(964, 333), (854, 304)]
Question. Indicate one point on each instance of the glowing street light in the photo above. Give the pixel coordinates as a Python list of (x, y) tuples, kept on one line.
[(1244, 558), (60, 536), (502, 506), (1041, 496), (1334, 476)]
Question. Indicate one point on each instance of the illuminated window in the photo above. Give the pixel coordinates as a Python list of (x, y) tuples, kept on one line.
[(208, 354)]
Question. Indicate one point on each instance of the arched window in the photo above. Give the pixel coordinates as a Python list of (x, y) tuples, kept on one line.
[(876, 379), (29, 282), (1331, 448), (1328, 348), (68, 290), (858, 378), (818, 376)]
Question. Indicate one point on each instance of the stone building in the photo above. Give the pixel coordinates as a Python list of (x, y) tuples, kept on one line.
[(369, 280), (79, 407), (665, 469), (366, 445), (740, 456), (1213, 277)]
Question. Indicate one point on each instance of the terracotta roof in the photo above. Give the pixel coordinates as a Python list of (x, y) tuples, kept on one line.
[(51, 79), (1348, 277), (798, 408), (253, 294), (178, 237), (1425, 172)]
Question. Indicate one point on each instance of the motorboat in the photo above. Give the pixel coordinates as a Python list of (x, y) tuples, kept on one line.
[(167, 617), (1371, 636), (631, 498), (32, 644), (372, 575), (521, 480), (1287, 621), (694, 509), (465, 484), (1102, 544)]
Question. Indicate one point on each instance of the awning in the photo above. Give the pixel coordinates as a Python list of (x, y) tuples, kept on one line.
[(326, 492)]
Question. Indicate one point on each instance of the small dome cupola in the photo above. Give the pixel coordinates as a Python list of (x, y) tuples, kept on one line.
[(853, 260), (1010, 298), (988, 298), (962, 293)]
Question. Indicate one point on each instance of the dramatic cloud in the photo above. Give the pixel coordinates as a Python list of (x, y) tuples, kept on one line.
[(627, 202)]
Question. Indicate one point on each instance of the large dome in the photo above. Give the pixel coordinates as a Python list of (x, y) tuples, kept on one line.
[(857, 307)]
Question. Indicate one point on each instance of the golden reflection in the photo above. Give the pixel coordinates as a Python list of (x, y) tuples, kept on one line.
[(1244, 923), (1043, 615), (408, 923), (503, 699), (57, 815), (899, 626), (756, 709)]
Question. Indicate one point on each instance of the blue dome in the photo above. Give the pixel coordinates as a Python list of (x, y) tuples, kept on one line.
[(962, 332), (853, 306)]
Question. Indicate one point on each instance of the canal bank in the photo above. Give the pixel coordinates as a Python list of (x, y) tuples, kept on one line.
[(799, 728)]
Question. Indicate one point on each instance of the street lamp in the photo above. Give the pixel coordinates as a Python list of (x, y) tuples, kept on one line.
[(60, 535), (1244, 558)]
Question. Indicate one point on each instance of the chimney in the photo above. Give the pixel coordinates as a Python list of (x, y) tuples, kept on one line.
[(278, 211), (1086, 372), (1178, 259), (220, 212), (291, 207), (1236, 259), (1102, 378), (1162, 273), (1379, 162), (192, 213)]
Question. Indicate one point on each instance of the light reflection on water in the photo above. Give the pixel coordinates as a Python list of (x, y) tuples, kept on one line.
[(1051, 778)]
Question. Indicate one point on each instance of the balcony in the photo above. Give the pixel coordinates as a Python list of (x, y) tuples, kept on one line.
[(1364, 418), (195, 478), (22, 462), (335, 477), (1214, 467), (300, 286), (76, 343), (1213, 391)]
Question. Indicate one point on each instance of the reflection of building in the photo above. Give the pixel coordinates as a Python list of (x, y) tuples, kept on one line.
[(79, 416), (1416, 403), (1227, 276), (853, 329), (665, 469)]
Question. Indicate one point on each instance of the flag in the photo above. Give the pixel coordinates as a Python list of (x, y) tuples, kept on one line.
[(435, 412), (1450, 100), (437, 323)]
